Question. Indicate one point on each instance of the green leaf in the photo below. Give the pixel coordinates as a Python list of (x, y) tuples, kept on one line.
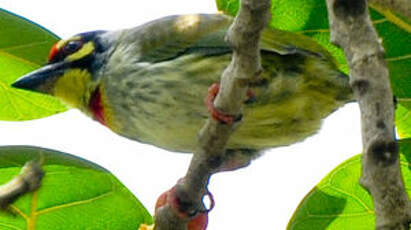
[(24, 46), (75, 194), (339, 202), (403, 118), (309, 17), (395, 32)]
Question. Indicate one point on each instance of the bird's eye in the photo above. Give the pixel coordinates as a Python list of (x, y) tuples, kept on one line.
[(69, 48), (72, 46)]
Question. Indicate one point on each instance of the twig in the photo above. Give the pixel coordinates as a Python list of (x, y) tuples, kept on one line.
[(351, 29), (29, 179), (243, 36)]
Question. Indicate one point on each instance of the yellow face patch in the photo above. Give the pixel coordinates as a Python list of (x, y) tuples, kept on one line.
[(85, 50), (60, 44), (72, 87)]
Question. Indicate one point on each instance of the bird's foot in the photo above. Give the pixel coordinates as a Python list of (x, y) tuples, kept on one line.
[(215, 113), (237, 158), (219, 115), (251, 98), (233, 164)]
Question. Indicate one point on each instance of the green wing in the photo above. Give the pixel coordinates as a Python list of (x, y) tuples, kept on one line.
[(284, 42), (173, 36)]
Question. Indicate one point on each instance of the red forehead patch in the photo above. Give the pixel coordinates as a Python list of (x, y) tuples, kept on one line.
[(53, 51)]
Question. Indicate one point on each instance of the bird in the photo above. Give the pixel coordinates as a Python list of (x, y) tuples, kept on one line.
[(148, 84)]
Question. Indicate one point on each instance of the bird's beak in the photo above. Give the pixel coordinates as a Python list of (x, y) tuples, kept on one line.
[(42, 80)]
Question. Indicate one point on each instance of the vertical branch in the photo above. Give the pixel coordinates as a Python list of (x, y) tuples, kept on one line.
[(243, 36), (351, 29)]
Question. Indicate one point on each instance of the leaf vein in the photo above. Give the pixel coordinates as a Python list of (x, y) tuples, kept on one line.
[(10, 226), (341, 215), (379, 21), (33, 102), (403, 57), (19, 114), (27, 45), (392, 17), (19, 59), (54, 208), (351, 195), (18, 211)]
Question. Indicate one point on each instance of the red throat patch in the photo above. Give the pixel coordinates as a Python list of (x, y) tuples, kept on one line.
[(96, 106)]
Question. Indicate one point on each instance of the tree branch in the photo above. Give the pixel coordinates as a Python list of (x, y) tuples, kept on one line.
[(243, 36), (28, 180), (351, 29)]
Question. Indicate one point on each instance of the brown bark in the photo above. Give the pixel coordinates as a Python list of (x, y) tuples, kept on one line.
[(352, 30), (28, 180), (243, 36)]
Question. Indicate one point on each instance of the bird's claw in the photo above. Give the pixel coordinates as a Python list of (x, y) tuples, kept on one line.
[(215, 113), (250, 97), (219, 115)]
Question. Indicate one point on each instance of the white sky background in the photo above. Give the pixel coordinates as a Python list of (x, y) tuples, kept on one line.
[(262, 196)]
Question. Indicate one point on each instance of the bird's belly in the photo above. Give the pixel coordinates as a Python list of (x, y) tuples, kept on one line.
[(164, 105), (175, 126)]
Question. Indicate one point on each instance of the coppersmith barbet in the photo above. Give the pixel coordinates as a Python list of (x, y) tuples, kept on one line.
[(148, 83)]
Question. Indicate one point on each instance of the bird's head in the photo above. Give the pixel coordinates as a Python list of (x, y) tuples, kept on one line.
[(71, 73)]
